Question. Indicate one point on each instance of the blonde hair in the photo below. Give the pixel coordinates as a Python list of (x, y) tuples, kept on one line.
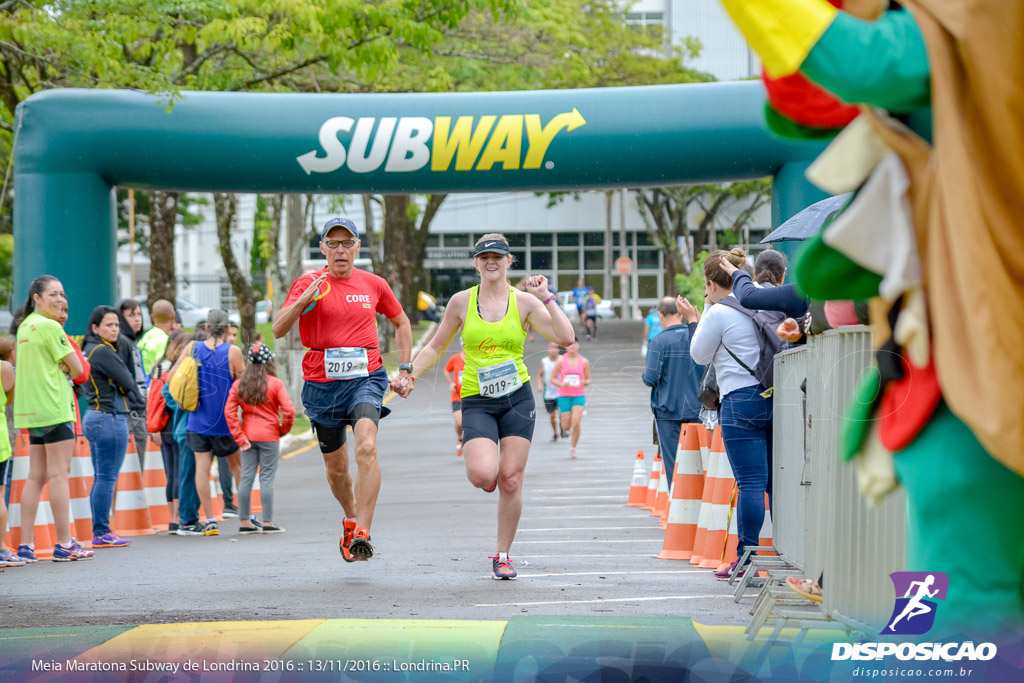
[(713, 265)]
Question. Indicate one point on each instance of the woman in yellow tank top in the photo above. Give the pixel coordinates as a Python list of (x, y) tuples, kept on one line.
[(498, 411)]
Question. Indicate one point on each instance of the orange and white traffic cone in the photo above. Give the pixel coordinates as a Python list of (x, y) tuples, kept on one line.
[(154, 481), (216, 495), (718, 520), (80, 488), (652, 484), (256, 501), (638, 488), (684, 510), (131, 512), (733, 539), (661, 501), (43, 530), (704, 437)]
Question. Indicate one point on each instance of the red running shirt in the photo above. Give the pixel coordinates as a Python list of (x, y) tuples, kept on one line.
[(342, 314), (455, 365)]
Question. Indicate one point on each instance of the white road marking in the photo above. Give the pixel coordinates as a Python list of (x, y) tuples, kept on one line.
[(534, 519), (619, 497), (665, 571), (598, 541), (587, 528), (587, 602)]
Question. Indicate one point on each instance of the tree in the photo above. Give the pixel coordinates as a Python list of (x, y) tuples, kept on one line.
[(225, 208), (666, 210)]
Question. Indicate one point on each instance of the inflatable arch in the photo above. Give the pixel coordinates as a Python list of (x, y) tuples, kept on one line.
[(72, 147)]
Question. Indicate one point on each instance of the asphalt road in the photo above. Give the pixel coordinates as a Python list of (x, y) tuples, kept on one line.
[(578, 551)]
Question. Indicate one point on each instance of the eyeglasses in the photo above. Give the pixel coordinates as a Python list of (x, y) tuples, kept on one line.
[(334, 244)]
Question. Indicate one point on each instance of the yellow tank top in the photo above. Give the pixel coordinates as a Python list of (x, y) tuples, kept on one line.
[(488, 346), (5, 442)]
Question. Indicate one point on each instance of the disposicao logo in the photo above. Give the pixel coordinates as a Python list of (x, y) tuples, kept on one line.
[(409, 143), (913, 614)]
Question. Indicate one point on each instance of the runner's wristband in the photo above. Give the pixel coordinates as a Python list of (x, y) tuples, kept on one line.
[(550, 298)]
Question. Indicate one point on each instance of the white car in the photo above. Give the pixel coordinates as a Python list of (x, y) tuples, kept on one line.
[(604, 307), (191, 313)]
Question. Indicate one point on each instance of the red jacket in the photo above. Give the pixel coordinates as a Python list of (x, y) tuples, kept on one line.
[(81, 379), (260, 422)]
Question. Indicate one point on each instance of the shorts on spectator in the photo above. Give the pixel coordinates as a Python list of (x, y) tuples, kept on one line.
[(38, 436), (220, 446)]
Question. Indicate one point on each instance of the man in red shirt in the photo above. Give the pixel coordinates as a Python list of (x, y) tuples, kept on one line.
[(453, 373), (344, 375)]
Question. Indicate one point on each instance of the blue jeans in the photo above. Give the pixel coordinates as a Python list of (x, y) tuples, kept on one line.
[(668, 442), (188, 497), (746, 419), (108, 443)]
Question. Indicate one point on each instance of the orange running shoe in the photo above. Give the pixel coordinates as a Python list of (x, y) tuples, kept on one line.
[(360, 547), (345, 543)]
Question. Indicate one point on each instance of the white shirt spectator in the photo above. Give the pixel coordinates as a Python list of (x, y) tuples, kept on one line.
[(721, 326)]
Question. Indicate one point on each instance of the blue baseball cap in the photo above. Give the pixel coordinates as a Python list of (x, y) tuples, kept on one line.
[(339, 222)]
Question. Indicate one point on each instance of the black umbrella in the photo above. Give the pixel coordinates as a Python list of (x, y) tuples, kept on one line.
[(808, 222)]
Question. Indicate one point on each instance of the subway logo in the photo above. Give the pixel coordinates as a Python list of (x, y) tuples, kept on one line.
[(410, 143)]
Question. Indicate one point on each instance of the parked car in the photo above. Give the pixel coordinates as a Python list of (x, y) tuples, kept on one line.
[(191, 313), (604, 307)]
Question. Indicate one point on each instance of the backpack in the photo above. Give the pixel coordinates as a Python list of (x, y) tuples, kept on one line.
[(768, 342), (184, 384), (156, 407)]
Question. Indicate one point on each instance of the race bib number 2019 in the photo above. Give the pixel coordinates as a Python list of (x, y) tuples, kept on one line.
[(498, 380), (345, 362)]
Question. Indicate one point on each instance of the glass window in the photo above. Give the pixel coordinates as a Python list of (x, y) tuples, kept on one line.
[(647, 259), (642, 239), (566, 281), (648, 286), (542, 260), (433, 240), (593, 239), (542, 239), (616, 240), (518, 259), (593, 259), (568, 239), (596, 280), (516, 239), (568, 259), (456, 240)]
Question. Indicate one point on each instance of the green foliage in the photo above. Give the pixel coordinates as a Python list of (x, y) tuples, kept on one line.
[(6, 268), (262, 250), (692, 286)]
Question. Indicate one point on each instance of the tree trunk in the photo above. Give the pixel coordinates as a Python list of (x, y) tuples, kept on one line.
[(225, 206), (405, 246), (289, 347), (163, 281)]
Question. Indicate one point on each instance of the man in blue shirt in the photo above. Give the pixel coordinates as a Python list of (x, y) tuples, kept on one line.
[(673, 378), (652, 328)]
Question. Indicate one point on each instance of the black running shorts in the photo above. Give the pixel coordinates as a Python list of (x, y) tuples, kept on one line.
[(496, 418)]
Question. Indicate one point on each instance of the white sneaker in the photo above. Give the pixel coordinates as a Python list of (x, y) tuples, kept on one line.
[(572, 452)]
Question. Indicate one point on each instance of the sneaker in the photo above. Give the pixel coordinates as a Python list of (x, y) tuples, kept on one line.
[(193, 529), (272, 529), (565, 434), (27, 554), (9, 559), (71, 553), (572, 452), (458, 448), (554, 437), (360, 546), (110, 540), (726, 574), (256, 523), (230, 513), (494, 485), (211, 529), (172, 528), (246, 530), (502, 570), (345, 543)]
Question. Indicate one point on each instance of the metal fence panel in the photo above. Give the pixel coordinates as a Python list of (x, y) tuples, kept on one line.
[(789, 455), (855, 547)]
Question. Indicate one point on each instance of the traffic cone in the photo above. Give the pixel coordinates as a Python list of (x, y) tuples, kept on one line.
[(704, 436), (661, 501), (705, 509), (652, 485), (131, 512), (216, 495), (721, 502), (154, 481), (43, 531), (80, 488), (638, 489), (684, 510)]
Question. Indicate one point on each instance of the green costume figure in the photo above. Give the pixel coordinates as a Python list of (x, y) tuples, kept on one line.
[(934, 234)]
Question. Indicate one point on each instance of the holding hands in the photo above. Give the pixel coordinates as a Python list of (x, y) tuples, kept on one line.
[(402, 384)]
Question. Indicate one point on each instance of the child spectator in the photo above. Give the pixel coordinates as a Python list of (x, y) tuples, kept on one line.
[(267, 415)]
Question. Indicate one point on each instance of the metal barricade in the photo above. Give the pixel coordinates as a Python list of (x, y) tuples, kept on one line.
[(853, 545)]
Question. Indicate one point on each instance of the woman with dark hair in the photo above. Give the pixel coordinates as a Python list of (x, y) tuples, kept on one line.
[(267, 415), (769, 294), (111, 393), (727, 338), (44, 406), (129, 315)]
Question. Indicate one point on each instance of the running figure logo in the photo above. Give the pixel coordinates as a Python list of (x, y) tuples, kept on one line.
[(914, 613)]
